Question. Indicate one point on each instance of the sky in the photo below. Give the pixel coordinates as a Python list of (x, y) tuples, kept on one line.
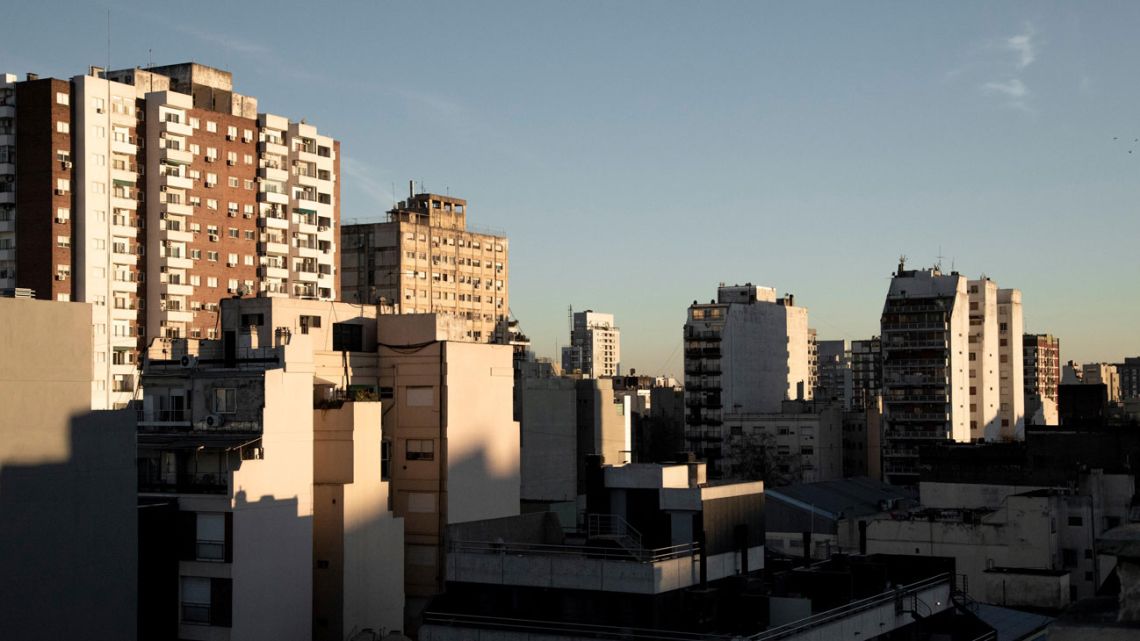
[(639, 153)]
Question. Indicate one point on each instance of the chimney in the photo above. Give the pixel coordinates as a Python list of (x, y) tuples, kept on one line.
[(411, 189)]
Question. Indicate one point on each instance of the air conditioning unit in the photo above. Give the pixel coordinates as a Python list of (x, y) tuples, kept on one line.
[(231, 162), (66, 164), (211, 158), (188, 361), (215, 420), (61, 277), (99, 110), (213, 238), (162, 269), (60, 192), (162, 188), (231, 137)]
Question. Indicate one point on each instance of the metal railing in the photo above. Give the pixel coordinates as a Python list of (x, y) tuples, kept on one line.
[(564, 629), (580, 551), (611, 525), (855, 607)]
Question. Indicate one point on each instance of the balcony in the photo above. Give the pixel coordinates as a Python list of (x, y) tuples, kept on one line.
[(176, 128), (177, 234), (125, 147), (267, 147), (185, 484), (272, 247), (175, 156), (305, 276), (175, 289), (178, 209), (273, 222), (174, 181), (177, 315), (7, 226), (273, 173), (272, 197), (270, 271)]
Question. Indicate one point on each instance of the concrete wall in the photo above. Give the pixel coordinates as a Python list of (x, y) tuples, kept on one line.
[(482, 435), (68, 515), (549, 466), (764, 356), (273, 511), (353, 529)]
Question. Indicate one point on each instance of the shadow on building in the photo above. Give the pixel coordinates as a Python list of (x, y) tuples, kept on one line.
[(68, 533)]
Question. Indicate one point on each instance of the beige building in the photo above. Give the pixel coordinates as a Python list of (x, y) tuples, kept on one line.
[(68, 518), (802, 443), (452, 438), (997, 398), (745, 352), (425, 259), (265, 447), (595, 346), (1103, 374)]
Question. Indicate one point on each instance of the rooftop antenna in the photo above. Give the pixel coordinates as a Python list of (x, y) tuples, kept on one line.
[(938, 265), (902, 262)]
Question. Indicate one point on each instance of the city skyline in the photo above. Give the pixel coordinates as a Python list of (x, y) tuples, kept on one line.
[(799, 147)]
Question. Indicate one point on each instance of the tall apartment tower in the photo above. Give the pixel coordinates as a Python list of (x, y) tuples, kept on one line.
[(425, 259), (745, 352), (866, 372), (997, 400), (595, 346), (835, 375), (1042, 375), (925, 355), (153, 193)]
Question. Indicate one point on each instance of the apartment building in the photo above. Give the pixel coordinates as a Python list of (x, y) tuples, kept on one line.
[(595, 346), (802, 443), (426, 259), (835, 381), (453, 443), (997, 399), (1129, 374), (747, 351), (1102, 374), (925, 327), (151, 194), (866, 372), (262, 489), (1042, 375)]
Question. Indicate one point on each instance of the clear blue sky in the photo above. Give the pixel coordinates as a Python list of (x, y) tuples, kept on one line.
[(639, 153)]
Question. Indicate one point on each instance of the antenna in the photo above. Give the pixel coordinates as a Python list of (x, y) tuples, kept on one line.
[(938, 265)]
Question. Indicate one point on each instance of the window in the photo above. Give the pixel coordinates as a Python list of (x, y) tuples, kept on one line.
[(225, 400), (233, 181), (211, 281), (419, 450), (309, 321), (252, 319), (62, 127), (195, 280), (211, 127), (211, 536), (419, 396), (206, 601), (63, 241)]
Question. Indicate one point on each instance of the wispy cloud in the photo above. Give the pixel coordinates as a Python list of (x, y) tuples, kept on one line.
[(1014, 88), (228, 42), (367, 179), (1023, 46), (1008, 58)]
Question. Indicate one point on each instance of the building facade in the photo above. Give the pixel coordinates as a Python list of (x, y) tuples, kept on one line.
[(151, 194), (426, 259), (866, 372), (264, 502), (1042, 375), (802, 443), (925, 326), (835, 381), (1103, 374), (1129, 375), (745, 352), (997, 399), (595, 346)]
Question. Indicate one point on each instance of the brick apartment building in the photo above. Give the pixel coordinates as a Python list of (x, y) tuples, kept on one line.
[(153, 193)]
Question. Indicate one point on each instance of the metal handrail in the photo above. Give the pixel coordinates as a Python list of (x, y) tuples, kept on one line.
[(591, 629), (546, 549), (612, 525), (822, 618)]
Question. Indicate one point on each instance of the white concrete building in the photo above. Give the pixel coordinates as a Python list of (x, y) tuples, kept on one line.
[(997, 399), (267, 454), (745, 352), (595, 346)]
